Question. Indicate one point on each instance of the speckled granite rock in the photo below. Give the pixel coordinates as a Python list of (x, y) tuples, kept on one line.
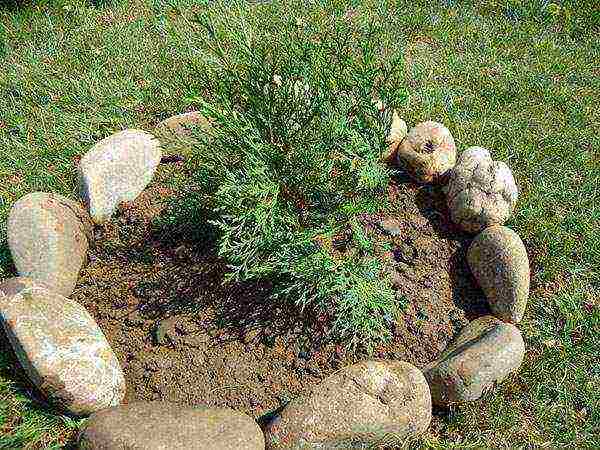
[(369, 403), (60, 347), (179, 124), (485, 352), (499, 262), (162, 425), (428, 152), (48, 237), (481, 192), (116, 170)]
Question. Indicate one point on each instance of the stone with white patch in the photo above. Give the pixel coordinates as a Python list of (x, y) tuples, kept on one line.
[(60, 347)]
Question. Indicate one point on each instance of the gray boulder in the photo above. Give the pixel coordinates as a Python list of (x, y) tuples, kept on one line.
[(367, 404), (481, 192), (48, 237), (485, 352), (163, 425), (60, 347), (499, 262), (117, 169)]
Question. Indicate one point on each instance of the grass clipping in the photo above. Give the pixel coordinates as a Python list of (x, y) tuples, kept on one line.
[(294, 155)]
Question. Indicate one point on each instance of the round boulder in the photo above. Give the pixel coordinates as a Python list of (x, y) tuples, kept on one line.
[(485, 352), (481, 192), (117, 169), (369, 403), (60, 347), (428, 152), (499, 262), (48, 237), (163, 425)]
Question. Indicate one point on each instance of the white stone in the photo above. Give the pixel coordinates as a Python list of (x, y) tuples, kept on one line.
[(117, 169)]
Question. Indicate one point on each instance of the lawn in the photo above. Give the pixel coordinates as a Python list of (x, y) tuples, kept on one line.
[(520, 78)]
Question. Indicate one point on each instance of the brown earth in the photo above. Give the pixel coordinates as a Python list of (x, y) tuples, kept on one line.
[(154, 285)]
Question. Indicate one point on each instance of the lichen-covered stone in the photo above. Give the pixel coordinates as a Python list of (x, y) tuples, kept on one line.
[(369, 403), (60, 347), (481, 192), (485, 352), (428, 152), (163, 425), (48, 237), (117, 169), (180, 124), (499, 262)]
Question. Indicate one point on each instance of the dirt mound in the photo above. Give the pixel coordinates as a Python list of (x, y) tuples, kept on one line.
[(156, 291)]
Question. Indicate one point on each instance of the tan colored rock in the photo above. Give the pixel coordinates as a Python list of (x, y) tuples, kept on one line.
[(163, 425), (428, 152), (369, 403), (485, 352), (117, 169), (499, 262), (60, 347), (48, 237), (481, 192), (181, 123), (398, 132)]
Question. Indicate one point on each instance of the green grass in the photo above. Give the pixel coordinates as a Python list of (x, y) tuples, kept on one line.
[(519, 78)]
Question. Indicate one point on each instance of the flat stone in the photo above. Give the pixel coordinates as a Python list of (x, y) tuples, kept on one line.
[(367, 404), (116, 170), (61, 348), (428, 152), (163, 425), (181, 124), (481, 192), (48, 237), (499, 262), (485, 352)]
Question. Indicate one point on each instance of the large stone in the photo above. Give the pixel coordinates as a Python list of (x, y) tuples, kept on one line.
[(428, 152), (499, 262), (180, 125), (369, 403), (162, 425), (485, 352), (48, 237), (481, 192), (60, 347), (117, 169)]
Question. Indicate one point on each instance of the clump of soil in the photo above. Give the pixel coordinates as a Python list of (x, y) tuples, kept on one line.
[(156, 291)]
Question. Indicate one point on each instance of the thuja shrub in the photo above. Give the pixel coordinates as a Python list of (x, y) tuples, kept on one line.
[(293, 161)]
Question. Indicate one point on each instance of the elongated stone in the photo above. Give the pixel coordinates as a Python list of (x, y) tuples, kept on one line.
[(117, 169), (163, 425), (60, 347), (179, 124), (485, 352), (48, 237), (499, 262)]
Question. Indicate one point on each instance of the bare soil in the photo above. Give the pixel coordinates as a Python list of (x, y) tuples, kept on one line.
[(155, 287)]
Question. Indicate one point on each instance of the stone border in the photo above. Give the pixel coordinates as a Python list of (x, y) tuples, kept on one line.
[(67, 356)]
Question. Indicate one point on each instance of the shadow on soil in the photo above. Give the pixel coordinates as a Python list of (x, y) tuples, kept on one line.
[(431, 202)]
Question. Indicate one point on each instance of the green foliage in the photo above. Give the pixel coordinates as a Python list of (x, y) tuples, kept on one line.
[(294, 156)]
